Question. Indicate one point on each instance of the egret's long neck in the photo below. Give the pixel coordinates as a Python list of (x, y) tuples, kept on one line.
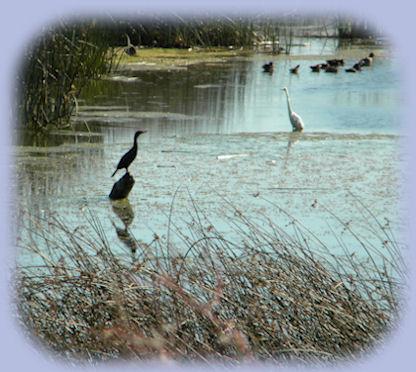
[(288, 103)]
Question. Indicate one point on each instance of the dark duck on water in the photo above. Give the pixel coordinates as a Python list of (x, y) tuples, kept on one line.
[(294, 70), (268, 67)]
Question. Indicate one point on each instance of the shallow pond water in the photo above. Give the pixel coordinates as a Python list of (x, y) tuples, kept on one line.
[(218, 131)]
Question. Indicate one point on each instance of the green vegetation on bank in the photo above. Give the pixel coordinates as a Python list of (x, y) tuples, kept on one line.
[(63, 59), (55, 69)]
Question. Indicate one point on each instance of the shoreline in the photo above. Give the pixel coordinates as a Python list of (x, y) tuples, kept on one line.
[(162, 59)]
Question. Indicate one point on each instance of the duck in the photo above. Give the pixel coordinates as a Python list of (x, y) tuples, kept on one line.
[(316, 68), (331, 69), (367, 61), (294, 70), (336, 62), (268, 67), (357, 67)]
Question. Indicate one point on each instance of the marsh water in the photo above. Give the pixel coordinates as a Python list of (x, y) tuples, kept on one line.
[(218, 134)]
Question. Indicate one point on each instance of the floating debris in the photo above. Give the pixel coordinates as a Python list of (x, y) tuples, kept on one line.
[(205, 86), (122, 114), (223, 157), (124, 79)]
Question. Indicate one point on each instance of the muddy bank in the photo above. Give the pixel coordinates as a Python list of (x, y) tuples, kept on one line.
[(175, 59), (157, 59)]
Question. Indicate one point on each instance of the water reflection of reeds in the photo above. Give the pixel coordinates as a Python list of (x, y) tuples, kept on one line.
[(51, 172)]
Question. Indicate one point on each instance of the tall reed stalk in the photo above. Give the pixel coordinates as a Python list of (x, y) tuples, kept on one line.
[(54, 70), (266, 295)]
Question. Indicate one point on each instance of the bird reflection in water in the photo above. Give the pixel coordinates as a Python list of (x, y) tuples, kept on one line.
[(124, 211), (293, 140)]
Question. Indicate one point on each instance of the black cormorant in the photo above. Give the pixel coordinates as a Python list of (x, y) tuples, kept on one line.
[(130, 155)]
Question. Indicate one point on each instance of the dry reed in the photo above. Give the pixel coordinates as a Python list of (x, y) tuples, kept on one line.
[(266, 295)]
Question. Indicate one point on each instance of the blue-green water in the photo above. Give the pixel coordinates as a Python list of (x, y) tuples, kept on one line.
[(197, 119), (238, 97)]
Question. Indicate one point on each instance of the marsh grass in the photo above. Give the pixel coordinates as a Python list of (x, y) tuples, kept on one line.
[(54, 70), (185, 32), (271, 293)]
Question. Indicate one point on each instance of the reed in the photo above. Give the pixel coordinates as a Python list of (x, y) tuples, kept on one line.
[(54, 70), (266, 294), (183, 32)]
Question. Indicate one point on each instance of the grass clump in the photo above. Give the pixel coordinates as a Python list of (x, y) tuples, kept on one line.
[(55, 68), (266, 295)]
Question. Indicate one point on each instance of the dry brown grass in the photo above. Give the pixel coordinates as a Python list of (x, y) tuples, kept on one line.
[(267, 295)]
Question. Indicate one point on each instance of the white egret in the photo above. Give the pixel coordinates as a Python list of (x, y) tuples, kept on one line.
[(295, 119)]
